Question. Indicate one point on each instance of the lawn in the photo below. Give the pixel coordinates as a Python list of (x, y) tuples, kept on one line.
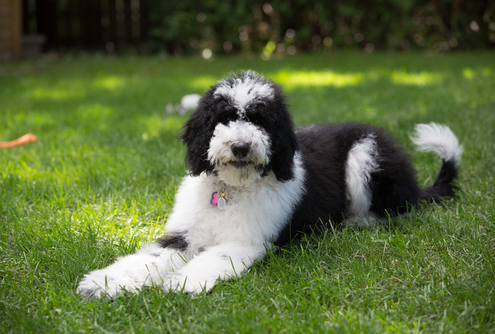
[(101, 179)]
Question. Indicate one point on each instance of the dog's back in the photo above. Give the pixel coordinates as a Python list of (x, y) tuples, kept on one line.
[(358, 173)]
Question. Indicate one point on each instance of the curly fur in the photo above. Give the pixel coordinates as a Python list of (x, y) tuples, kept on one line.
[(274, 182)]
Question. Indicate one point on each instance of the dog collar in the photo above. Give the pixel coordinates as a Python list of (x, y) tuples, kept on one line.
[(219, 199)]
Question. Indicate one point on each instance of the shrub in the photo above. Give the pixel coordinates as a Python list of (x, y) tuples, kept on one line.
[(288, 26)]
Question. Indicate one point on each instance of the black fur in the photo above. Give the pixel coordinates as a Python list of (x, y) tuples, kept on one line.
[(197, 133), (174, 241), (324, 150), (442, 186)]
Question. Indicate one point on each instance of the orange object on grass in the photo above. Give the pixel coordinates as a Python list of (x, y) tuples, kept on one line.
[(20, 141)]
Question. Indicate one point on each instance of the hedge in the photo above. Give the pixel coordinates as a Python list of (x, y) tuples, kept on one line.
[(289, 26)]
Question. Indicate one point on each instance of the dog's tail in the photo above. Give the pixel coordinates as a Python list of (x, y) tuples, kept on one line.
[(441, 140)]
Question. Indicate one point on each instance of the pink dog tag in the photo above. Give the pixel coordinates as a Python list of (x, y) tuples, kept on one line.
[(214, 199)]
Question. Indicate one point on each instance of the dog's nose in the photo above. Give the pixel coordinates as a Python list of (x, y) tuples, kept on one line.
[(240, 150)]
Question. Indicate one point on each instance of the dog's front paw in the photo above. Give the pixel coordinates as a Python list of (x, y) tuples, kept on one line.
[(102, 283)]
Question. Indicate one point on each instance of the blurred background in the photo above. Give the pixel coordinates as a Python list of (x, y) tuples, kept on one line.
[(224, 27)]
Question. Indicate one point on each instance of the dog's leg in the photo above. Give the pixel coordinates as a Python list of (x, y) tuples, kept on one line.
[(218, 262), (150, 265)]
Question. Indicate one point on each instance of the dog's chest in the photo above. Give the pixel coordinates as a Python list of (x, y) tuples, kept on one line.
[(253, 214)]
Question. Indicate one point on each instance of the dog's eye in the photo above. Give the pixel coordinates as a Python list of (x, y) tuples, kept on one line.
[(255, 120), (227, 120)]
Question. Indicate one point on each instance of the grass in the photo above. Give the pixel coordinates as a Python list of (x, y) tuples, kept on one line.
[(101, 179)]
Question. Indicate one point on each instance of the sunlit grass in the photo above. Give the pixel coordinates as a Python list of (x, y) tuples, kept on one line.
[(294, 79), (59, 93), (100, 182), (108, 82), (154, 125), (418, 79), (76, 88), (203, 83)]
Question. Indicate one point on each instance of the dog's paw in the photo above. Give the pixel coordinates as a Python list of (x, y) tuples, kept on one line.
[(101, 283)]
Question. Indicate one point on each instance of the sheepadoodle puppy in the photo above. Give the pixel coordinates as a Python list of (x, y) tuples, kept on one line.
[(254, 182)]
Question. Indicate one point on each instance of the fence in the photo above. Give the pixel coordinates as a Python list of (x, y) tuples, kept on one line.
[(86, 24), (10, 29)]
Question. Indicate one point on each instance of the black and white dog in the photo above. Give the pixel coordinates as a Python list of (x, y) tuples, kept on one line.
[(254, 182)]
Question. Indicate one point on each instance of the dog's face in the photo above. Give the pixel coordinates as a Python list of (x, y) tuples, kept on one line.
[(241, 131)]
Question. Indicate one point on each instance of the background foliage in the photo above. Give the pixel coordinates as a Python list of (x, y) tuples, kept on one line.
[(289, 26)]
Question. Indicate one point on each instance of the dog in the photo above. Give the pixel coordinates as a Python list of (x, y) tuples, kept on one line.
[(254, 182)]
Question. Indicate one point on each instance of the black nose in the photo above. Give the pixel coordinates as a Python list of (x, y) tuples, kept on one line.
[(240, 150)]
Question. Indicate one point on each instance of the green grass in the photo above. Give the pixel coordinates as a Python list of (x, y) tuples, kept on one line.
[(100, 182)]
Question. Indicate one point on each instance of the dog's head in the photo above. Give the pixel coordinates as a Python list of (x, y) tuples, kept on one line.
[(241, 131)]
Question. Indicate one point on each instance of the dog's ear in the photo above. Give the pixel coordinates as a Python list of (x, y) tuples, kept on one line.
[(284, 144), (197, 135)]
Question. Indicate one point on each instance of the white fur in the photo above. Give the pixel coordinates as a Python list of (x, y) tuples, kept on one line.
[(220, 152), (361, 162), (439, 139), (130, 273), (222, 244), (243, 92)]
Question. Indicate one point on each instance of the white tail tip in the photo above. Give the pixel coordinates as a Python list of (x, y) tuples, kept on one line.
[(437, 138)]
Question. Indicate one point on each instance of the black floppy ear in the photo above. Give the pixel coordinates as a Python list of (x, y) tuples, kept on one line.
[(284, 142), (197, 135), (283, 149)]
